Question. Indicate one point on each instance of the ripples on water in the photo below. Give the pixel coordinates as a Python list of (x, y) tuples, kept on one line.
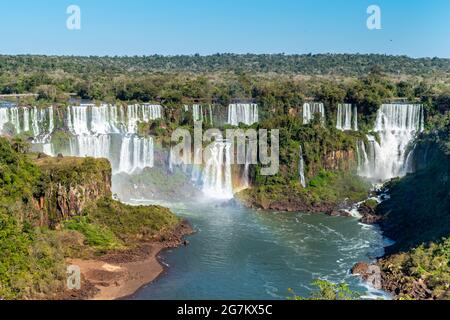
[(240, 253)]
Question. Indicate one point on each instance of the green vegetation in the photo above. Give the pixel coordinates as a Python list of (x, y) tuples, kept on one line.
[(422, 273), (328, 291), (33, 249), (319, 64), (418, 208), (330, 165), (132, 222), (324, 193), (280, 82), (97, 236)]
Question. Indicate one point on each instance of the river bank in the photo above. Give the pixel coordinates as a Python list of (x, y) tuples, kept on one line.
[(120, 274)]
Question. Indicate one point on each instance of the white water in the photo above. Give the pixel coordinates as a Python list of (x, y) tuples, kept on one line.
[(142, 113), (103, 131), (135, 154), (301, 168), (217, 171), (202, 113), (39, 123), (311, 109), (243, 113), (347, 117), (396, 125)]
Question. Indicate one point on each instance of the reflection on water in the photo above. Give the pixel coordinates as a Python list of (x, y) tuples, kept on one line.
[(245, 254)]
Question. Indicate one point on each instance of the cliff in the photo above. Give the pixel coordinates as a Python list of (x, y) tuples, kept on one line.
[(418, 210), (53, 209), (417, 217), (71, 184)]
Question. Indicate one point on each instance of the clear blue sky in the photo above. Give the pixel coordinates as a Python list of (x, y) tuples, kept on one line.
[(415, 28)]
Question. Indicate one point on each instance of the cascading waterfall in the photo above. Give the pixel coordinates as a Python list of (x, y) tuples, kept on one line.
[(301, 168), (202, 113), (347, 117), (142, 113), (20, 119), (396, 126), (95, 130), (217, 171), (136, 154), (196, 173), (197, 112), (310, 109), (92, 146), (251, 157), (243, 113)]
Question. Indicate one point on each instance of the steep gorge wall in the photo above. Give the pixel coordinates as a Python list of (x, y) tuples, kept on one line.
[(71, 184), (418, 210)]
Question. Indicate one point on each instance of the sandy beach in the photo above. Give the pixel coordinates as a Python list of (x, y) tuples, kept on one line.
[(120, 274)]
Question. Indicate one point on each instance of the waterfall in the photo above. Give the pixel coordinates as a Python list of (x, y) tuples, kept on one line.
[(202, 113), (197, 112), (310, 109), (96, 128), (47, 148), (355, 119), (91, 146), (217, 171), (347, 117), (104, 120), (26, 119), (301, 168), (243, 113), (251, 157), (4, 118), (196, 172), (135, 154), (396, 126), (20, 118), (10, 115), (78, 120), (141, 113), (95, 131)]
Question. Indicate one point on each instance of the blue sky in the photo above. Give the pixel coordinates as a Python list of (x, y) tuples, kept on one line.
[(415, 28)]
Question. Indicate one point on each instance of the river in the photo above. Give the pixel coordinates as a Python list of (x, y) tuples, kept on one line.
[(239, 253)]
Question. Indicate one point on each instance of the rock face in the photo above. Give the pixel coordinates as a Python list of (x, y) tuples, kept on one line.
[(368, 213), (361, 269), (71, 185), (340, 160), (343, 160)]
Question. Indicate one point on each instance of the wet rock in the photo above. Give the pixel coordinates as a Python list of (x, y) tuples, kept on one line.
[(339, 213), (360, 269)]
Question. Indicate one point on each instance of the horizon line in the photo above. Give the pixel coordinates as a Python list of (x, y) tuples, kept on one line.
[(193, 55)]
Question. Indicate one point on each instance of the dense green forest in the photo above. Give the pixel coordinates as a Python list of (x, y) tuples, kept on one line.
[(279, 84), (307, 64), (281, 80)]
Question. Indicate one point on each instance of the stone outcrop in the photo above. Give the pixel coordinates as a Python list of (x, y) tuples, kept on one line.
[(70, 185)]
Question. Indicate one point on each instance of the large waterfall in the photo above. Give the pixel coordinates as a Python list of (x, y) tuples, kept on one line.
[(347, 117), (243, 113), (311, 109), (105, 131), (217, 182), (36, 123), (396, 125), (95, 129), (135, 154)]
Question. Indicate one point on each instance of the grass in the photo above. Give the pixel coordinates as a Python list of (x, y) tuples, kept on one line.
[(97, 236), (132, 222)]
